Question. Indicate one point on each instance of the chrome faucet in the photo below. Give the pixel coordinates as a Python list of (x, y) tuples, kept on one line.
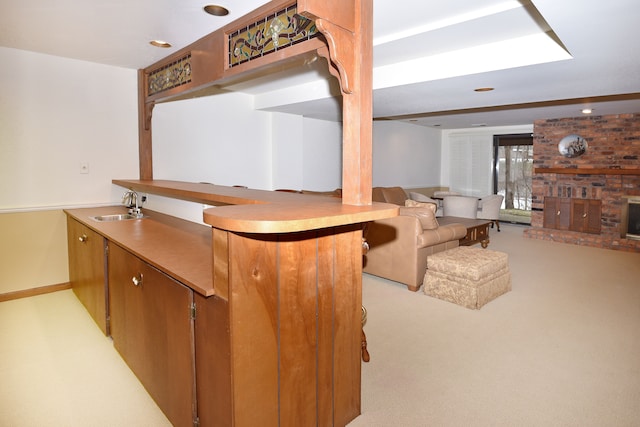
[(130, 200)]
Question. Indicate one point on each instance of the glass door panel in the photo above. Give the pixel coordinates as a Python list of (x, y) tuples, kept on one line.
[(513, 160)]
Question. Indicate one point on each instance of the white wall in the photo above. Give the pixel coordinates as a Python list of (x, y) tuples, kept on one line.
[(56, 113), (223, 140), (288, 151), (219, 139), (322, 156), (405, 155)]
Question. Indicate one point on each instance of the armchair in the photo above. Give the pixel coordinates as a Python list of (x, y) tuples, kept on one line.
[(460, 206), (442, 194), (489, 208)]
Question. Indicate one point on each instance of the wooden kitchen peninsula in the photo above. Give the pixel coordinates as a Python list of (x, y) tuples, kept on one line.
[(278, 339), (278, 343)]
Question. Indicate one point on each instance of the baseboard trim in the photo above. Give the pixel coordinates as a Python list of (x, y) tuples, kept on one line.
[(34, 291)]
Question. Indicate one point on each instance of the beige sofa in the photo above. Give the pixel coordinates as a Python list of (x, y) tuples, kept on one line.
[(399, 246)]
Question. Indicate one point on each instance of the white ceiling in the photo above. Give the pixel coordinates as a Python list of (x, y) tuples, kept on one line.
[(545, 58)]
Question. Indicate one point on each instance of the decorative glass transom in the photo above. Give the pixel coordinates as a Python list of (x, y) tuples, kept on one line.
[(171, 75), (277, 31)]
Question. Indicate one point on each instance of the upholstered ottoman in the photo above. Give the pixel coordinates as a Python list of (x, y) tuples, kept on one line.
[(467, 276)]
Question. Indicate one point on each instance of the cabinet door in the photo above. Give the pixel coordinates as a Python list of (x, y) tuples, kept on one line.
[(549, 218), (87, 275), (152, 329), (586, 215), (593, 222), (557, 213)]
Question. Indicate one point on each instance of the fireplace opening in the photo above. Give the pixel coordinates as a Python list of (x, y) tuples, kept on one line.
[(630, 218)]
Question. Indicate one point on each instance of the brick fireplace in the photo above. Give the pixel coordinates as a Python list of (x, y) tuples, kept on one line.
[(608, 171)]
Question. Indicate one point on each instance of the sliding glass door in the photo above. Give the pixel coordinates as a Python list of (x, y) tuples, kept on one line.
[(513, 166)]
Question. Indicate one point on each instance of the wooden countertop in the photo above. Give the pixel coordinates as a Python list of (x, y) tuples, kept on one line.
[(183, 249), (259, 211), (179, 248)]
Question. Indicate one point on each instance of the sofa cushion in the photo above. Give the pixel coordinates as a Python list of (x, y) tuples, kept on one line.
[(395, 195), (377, 195), (426, 214)]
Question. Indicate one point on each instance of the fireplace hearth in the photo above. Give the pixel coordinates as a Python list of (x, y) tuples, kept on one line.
[(630, 223)]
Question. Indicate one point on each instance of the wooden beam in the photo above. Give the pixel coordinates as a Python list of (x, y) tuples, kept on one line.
[(589, 171), (145, 110), (348, 28)]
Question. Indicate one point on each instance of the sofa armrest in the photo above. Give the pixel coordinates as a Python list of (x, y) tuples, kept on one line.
[(400, 230), (399, 247), (393, 248)]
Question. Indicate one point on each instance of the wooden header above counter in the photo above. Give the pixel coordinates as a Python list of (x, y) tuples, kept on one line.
[(339, 31), (269, 211)]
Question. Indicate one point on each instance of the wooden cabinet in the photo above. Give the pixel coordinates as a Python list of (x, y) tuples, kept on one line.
[(557, 213), (586, 215), (276, 337), (280, 342), (213, 362), (152, 328), (581, 215), (87, 270)]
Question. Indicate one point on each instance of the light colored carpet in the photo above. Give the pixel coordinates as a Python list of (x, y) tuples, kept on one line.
[(561, 349)]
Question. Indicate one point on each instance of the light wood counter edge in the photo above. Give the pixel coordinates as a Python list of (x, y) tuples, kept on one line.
[(294, 217), (270, 212)]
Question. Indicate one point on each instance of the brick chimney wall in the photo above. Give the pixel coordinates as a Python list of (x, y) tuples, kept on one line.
[(613, 143)]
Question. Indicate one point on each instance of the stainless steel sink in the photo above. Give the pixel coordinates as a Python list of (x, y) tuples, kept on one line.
[(114, 217)]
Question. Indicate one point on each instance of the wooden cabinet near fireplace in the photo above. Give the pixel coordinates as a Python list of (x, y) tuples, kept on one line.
[(581, 215), (586, 215), (557, 213)]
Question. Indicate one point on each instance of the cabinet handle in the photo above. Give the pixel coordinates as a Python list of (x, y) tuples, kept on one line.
[(584, 215), (83, 238), (137, 280), (365, 246), (558, 213)]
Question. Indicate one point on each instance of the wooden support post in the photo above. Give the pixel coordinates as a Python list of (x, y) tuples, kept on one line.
[(145, 110), (348, 27)]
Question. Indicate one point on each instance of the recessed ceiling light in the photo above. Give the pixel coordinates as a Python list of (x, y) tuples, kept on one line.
[(159, 43), (216, 10), (587, 110), (484, 89)]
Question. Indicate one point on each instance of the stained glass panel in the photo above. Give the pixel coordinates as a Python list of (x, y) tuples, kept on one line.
[(277, 31)]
